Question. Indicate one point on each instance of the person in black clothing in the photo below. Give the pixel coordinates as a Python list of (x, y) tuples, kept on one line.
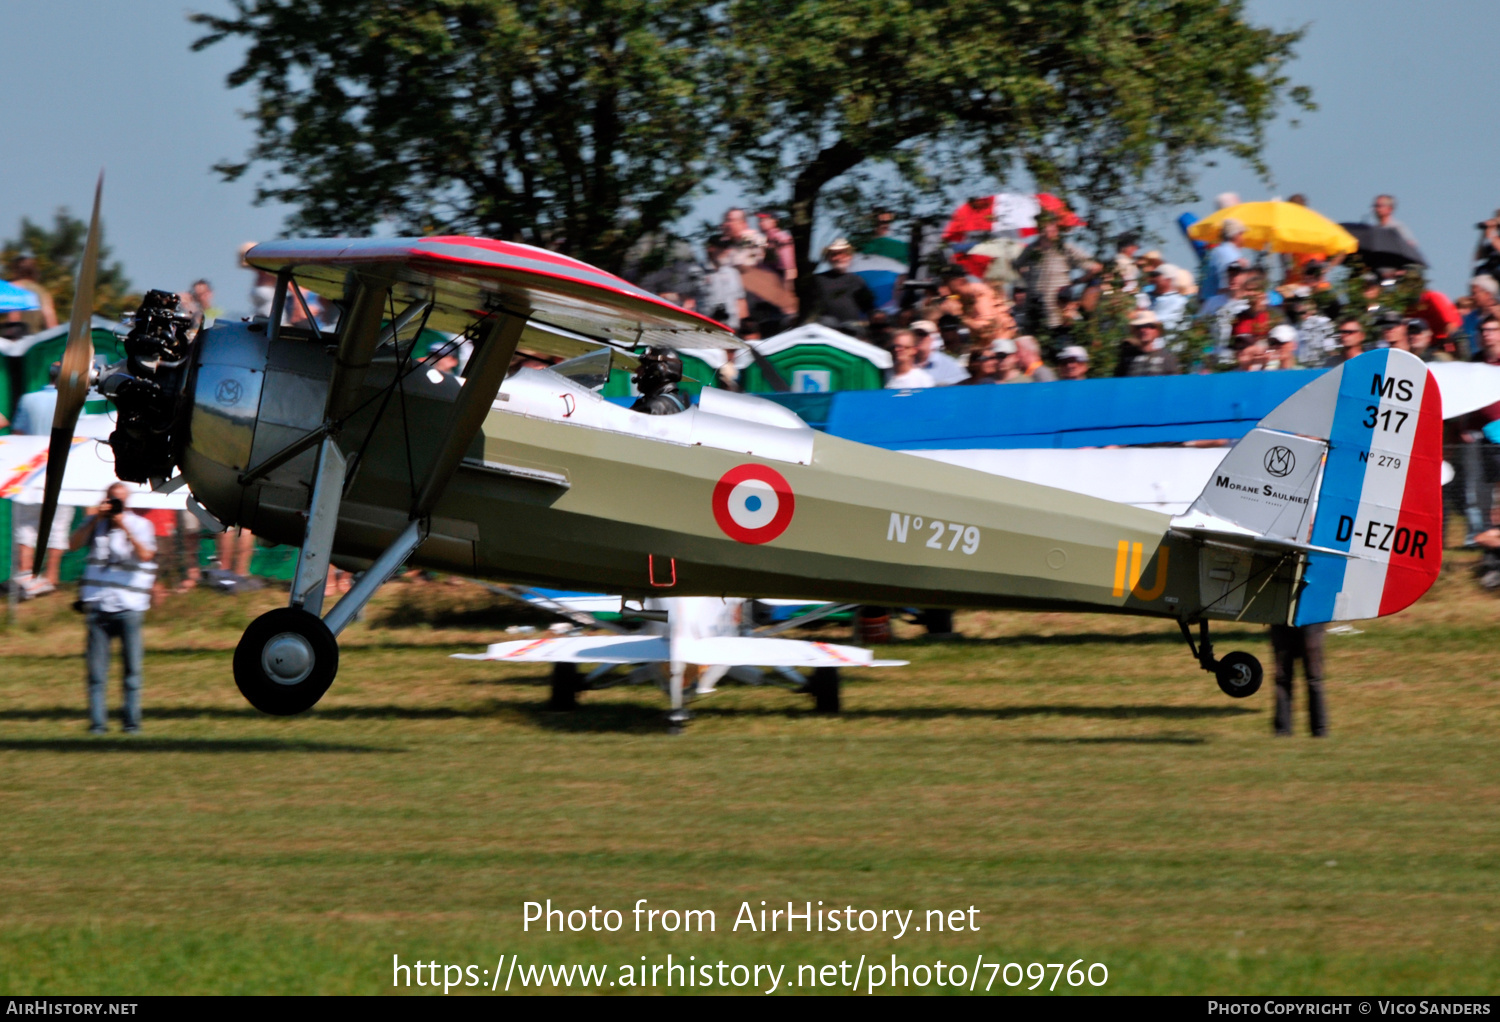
[(1290, 643), (1143, 353), (657, 377), (837, 298)]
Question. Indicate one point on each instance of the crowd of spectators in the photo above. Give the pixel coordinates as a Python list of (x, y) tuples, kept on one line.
[(1047, 307)]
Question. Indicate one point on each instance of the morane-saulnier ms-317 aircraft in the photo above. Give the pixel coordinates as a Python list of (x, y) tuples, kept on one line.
[(345, 444)]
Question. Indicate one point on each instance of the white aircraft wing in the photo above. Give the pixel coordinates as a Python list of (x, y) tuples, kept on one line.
[(1465, 386), (729, 651), (91, 470), (1159, 478), (592, 649), (734, 650)]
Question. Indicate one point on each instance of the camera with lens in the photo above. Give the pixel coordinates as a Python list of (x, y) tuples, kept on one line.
[(116, 506)]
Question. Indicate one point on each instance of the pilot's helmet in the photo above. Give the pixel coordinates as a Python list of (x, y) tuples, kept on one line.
[(659, 366)]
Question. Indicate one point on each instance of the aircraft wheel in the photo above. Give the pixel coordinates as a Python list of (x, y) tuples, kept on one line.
[(1239, 675), (823, 686), (565, 687), (285, 661)]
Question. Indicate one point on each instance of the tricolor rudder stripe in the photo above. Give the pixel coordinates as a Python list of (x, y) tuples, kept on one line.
[(1381, 496)]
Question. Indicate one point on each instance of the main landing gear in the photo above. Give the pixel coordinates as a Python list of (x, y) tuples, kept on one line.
[(288, 657), (1239, 674), (285, 661)]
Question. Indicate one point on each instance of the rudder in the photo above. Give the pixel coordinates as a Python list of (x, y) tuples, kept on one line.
[(1381, 497)]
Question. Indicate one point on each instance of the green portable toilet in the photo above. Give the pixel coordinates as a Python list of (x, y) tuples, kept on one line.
[(39, 351), (815, 359)]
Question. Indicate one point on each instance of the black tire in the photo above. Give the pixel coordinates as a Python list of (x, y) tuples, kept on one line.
[(823, 686), (1239, 675), (565, 687), (285, 661)]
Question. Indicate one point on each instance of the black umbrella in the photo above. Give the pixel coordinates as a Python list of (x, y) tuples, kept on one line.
[(1384, 246)]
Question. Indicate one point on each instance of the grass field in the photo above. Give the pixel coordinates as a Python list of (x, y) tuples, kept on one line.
[(1075, 778)]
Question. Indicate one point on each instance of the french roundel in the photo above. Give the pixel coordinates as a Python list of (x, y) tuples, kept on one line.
[(753, 503)]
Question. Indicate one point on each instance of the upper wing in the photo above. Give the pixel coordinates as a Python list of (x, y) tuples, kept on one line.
[(466, 277)]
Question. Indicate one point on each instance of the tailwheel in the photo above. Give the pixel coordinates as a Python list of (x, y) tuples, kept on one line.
[(823, 686), (566, 684), (1239, 675), (285, 661)]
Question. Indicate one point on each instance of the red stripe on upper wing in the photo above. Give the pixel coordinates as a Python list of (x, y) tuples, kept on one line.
[(507, 248), (489, 265), (1412, 572), (559, 267)]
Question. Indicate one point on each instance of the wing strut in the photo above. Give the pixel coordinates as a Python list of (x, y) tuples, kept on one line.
[(359, 336), (486, 372)]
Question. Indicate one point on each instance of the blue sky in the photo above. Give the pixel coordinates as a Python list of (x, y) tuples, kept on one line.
[(1405, 92)]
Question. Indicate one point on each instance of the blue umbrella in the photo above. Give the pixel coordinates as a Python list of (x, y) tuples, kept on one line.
[(17, 299)]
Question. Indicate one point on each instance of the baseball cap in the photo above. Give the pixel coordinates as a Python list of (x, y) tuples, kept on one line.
[(1073, 353), (925, 326), (1144, 317), (1281, 333), (1418, 326), (1004, 345)]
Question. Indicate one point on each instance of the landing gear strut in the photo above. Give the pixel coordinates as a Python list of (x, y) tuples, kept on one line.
[(823, 686), (566, 684), (1239, 674)]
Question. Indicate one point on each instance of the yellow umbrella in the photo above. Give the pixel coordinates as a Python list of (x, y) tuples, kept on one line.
[(1279, 227)]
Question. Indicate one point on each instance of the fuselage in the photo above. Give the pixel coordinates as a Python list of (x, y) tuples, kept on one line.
[(562, 489)]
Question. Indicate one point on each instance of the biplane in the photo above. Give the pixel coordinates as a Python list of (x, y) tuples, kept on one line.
[(348, 444)]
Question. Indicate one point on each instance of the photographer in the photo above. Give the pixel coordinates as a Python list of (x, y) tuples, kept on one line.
[(115, 595)]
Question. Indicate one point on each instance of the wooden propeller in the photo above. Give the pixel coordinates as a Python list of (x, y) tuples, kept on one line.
[(72, 382)]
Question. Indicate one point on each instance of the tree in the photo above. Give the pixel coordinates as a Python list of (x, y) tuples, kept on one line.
[(587, 125), (572, 124), (57, 251), (1112, 103)]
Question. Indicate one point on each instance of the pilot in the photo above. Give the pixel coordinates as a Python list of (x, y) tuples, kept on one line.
[(657, 377)]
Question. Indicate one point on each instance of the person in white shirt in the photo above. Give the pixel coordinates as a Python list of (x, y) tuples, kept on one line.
[(1170, 304), (115, 594), (944, 369), (906, 374), (1316, 341)]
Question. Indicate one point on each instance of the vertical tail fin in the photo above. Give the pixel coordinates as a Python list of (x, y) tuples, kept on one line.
[(1381, 499), (1349, 466)]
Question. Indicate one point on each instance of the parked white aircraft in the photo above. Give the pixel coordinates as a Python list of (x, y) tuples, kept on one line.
[(701, 640)]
